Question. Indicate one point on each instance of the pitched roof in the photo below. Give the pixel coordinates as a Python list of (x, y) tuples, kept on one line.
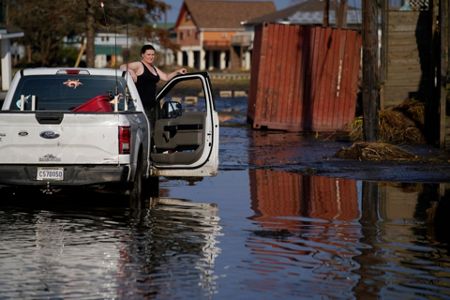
[(307, 12), (226, 14)]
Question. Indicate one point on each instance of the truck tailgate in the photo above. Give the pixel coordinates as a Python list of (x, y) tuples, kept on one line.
[(76, 139)]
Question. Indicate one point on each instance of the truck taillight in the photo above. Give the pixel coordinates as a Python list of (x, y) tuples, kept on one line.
[(72, 71), (124, 139)]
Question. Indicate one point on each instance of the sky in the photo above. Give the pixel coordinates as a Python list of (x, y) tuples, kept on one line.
[(173, 13)]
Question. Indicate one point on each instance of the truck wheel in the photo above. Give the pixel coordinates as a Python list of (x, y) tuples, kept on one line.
[(152, 186), (137, 188)]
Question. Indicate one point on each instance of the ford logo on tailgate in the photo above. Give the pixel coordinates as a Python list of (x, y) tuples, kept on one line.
[(49, 134)]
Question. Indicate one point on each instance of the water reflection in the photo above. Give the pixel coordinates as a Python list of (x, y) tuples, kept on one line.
[(307, 230), (171, 250), (363, 239), (275, 194), (404, 255), (107, 249), (272, 234)]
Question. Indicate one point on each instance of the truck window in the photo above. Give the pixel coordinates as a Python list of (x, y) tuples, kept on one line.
[(65, 92), (189, 94)]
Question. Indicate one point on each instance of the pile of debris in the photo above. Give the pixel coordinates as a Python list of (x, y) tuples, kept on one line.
[(402, 124), (375, 151)]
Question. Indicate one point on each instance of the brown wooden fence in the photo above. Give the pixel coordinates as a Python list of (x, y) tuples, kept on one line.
[(304, 78)]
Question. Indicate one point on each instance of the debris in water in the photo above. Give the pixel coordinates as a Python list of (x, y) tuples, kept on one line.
[(375, 151), (402, 124)]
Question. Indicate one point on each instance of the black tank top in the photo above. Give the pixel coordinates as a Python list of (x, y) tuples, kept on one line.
[(146, 86)]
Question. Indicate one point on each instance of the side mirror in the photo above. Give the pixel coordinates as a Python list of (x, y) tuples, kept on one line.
[(171, 109)]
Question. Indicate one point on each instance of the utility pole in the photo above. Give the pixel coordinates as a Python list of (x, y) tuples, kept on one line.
[(370, 76), (90, 34), (444, 72), (165, 46), (341, 14), (326, 14)]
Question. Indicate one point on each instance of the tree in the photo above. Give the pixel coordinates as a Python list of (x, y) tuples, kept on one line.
[(47, 22), (137, 18), (45, 25), (115, 15)]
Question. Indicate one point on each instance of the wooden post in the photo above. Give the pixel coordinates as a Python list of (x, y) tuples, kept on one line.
[(90, 34), (326, 14), (341, 14), (384, 49), (444, 70), (370, 76)]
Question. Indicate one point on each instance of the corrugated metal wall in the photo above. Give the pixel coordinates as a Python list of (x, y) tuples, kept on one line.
[(304, 78)]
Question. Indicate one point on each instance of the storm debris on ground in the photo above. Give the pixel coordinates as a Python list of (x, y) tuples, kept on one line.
[(401, 124), (375, 151)]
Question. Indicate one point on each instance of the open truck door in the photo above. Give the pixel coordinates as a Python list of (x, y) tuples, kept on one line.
[(185, 135)]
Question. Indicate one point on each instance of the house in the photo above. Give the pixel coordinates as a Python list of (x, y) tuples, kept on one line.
[(211, 35), (111, 49), (6, 35), (309, 12)]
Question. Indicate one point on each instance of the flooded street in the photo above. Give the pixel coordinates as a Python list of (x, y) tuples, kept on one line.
[(283, 219)]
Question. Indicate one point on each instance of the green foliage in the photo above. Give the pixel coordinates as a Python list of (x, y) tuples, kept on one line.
[(47, 22)]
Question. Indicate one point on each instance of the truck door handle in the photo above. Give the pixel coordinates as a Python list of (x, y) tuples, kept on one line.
[(49, 117)]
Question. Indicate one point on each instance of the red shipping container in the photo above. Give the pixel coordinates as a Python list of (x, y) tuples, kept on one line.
[(96, 104), (304, 78)]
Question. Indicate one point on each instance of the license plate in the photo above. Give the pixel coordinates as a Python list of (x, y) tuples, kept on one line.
[(50, 174)]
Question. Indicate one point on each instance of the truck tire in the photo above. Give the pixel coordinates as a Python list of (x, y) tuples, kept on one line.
[(152, 185), (137, 187)]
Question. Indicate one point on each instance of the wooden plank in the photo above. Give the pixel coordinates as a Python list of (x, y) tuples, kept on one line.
[(406, 42), (399, 72), (402, 27), (393, 36), (411, 36), (411, 81), (399, 94), (410, 48), (406, 82), (407, 28), (396, 17), (411, 68), (403, 60), (399, 57)]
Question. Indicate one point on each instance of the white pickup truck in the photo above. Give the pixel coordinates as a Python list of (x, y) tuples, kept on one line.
[(64, 127)]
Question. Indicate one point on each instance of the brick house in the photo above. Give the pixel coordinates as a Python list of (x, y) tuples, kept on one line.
[(211, 36)]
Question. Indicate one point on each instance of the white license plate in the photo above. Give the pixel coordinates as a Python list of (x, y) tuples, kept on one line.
[(50, 174)]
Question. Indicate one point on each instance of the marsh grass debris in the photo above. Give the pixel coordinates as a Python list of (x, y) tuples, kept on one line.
[(401, 124), (376, 152)]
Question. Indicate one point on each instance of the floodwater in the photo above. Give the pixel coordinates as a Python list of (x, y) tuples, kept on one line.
[(269, 226)]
